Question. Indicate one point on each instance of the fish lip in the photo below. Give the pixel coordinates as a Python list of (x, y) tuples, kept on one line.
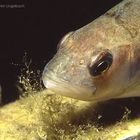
[(64, 88)]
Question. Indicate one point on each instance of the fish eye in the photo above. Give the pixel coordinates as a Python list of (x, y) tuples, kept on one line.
[(102, 64)]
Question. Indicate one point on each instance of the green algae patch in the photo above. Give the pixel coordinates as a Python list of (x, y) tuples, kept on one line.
[(46, 116), (40, 116)]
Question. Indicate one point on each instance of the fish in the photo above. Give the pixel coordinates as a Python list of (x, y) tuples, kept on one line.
[(100, 61)]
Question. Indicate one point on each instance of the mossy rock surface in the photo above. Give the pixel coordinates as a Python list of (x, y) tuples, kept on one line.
[(42, 116)]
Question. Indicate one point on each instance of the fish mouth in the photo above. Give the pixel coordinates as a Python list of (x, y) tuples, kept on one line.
[(67, 89)]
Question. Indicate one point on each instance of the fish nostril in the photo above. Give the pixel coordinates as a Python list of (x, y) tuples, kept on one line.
[(63, 39)]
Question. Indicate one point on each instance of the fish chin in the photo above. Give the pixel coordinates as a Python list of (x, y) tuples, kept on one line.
[(66, 89)]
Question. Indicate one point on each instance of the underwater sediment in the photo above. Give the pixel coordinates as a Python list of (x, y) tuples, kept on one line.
[(43, 116)]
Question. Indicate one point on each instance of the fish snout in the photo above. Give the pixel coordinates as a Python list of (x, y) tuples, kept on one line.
[(72, 88)]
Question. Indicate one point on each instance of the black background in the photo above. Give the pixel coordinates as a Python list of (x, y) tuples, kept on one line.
[(36, 29)]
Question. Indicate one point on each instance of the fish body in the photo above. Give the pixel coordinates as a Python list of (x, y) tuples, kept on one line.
[(101, 60)]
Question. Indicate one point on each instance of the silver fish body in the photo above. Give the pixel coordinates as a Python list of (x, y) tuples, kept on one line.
[(101, 60)]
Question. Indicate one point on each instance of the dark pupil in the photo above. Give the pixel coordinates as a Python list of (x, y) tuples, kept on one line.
[(101, 66)]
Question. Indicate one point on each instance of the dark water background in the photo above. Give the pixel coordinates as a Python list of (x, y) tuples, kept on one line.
[(36, 29)]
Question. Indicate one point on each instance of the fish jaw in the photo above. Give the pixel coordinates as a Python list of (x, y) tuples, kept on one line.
[(64, 88)]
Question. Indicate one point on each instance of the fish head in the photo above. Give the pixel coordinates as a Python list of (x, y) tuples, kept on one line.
[(91, 64)]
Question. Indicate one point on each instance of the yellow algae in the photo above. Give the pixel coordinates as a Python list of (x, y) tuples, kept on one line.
[(47, 116)]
